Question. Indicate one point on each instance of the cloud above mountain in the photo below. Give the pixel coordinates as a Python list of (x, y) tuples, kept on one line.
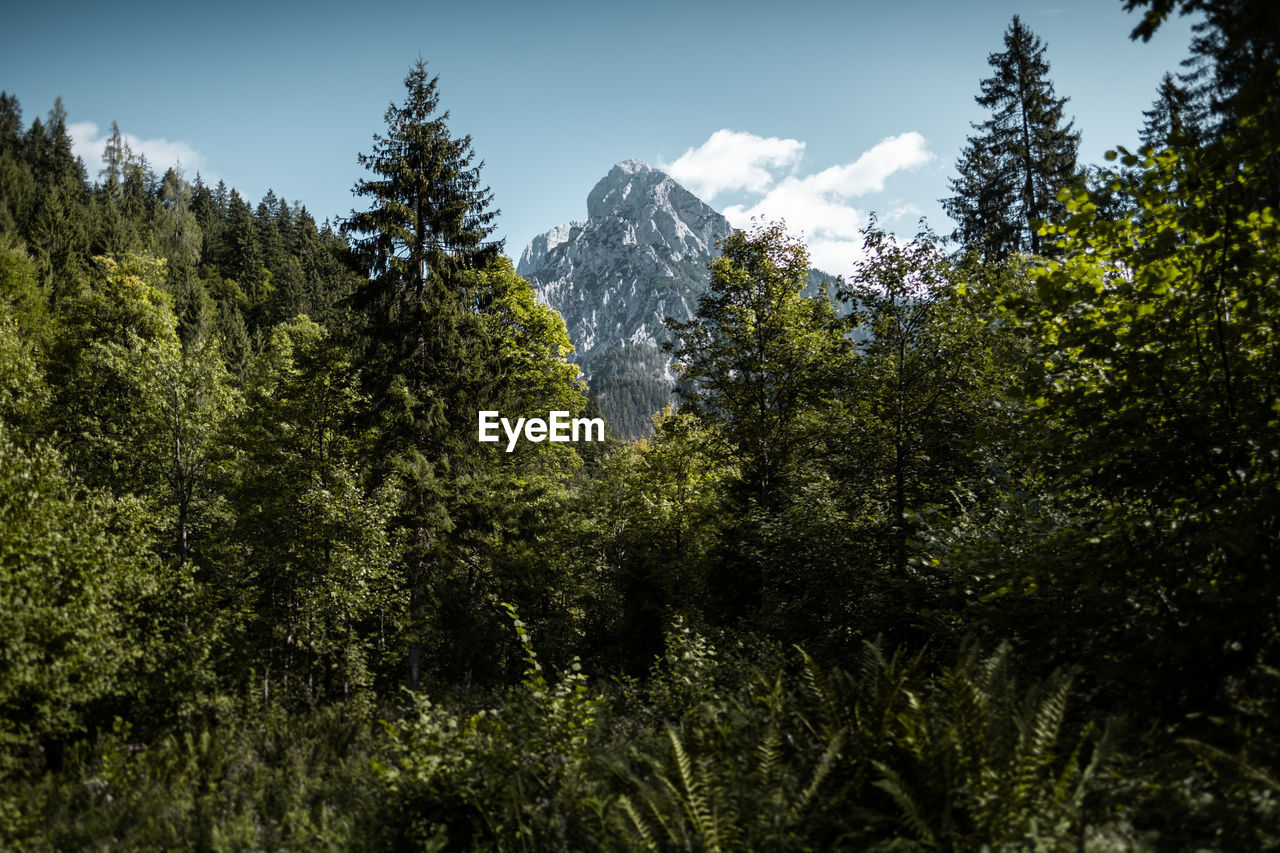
[(820, 205), (732, 161)]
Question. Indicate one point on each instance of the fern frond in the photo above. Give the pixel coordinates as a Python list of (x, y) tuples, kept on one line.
[(660, 816), (819, 686), (895, 787), (696, 804), (640, 824), (769, 751), (1210, 754), (1040, 737), (820, 772), (1101, 753), (994, 671), (1062, 789)]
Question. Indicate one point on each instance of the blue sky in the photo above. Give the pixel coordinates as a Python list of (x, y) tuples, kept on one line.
[(820, 112)]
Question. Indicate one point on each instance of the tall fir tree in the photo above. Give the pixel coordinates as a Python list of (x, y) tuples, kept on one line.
[(429, 220), (428, 223), (1011, 171)]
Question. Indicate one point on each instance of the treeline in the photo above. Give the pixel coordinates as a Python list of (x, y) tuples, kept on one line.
[(976, 548)]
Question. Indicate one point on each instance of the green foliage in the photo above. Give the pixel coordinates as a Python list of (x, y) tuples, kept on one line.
[(509, 778), (75, 572), (760, 357), (238, 458), (760, 363), (120, 338), (24, 395), (921, 395), (312, 598), (1154, 406), (525, 348), (883, 758), (981, 763), (261, 780)]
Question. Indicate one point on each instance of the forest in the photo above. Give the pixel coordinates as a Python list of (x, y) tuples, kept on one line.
[(976, 549)]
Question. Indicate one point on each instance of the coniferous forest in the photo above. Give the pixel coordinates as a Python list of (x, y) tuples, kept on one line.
[(975, 549)]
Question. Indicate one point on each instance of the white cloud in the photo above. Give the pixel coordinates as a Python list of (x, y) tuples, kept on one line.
[(730, 161), (88, 144), (900, 211), (819, 205)]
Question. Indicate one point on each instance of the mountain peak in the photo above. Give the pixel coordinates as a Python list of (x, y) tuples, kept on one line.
[(641, 256), (628, 185), (632, 166)]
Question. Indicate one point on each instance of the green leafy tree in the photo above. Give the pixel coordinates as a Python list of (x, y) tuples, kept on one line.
[(320, 598), (759, 357), (502, 503), (1011, 171), (760, 362), (1155, 398), (74, 566), (139, 415), (923, 385), (106, 369)]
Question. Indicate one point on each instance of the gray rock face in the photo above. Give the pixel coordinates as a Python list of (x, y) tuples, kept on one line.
[(640, 257)]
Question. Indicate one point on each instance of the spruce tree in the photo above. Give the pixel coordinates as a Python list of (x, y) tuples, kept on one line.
[(427, 226), (430, 216), (429, 221), (1233, 82), (1174, 120), (1011, 171)]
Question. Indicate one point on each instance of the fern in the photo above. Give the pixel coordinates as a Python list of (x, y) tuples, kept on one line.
[(769, 756), (834, 716), (640, 825), (806, 797), (1039, 738), (893, 784)]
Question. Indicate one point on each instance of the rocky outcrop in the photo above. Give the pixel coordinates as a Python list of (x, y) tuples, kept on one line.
[(640, 256)]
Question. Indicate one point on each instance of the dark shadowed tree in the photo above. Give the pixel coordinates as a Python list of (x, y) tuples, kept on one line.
[(1012, 169)]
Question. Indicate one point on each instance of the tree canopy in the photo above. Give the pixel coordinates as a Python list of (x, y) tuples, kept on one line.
[(972, 549)]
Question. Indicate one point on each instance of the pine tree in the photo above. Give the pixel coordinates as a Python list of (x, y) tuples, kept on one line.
[(1012, 170), (58, 229), (1235, 51), (428, 223), (243, 255), (1174, 120), (430, 216)]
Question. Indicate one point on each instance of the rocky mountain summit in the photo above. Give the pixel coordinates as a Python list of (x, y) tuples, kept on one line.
[(640, 256)]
